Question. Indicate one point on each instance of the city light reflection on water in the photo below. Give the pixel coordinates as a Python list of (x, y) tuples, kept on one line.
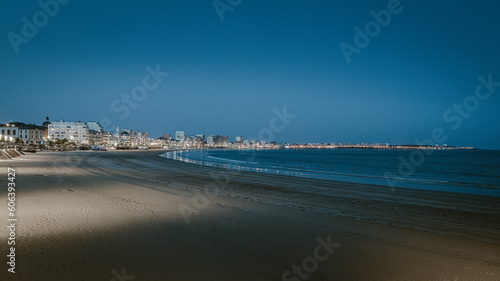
[(200, 157), (371, 169)]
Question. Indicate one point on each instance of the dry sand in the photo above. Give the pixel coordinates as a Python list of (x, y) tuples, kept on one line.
[(91, 215)]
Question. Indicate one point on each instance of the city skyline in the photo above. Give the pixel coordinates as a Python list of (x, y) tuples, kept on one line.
[(94, 134), (161, 67)]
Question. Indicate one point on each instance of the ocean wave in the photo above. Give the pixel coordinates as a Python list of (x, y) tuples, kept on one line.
[(367, 176), (230, 160)]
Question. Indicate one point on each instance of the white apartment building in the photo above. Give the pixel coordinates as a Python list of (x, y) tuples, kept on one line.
[(95, 126), (77, 132), (180, 136)]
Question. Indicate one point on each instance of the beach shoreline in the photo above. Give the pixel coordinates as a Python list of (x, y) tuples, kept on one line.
[(83, 215), (394, 176)]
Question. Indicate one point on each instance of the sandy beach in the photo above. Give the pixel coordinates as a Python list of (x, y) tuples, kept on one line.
[(132, 215)]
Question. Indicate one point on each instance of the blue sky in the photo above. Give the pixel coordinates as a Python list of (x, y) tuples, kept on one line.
[(225, 77)]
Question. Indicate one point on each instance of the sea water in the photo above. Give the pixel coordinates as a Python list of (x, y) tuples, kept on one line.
[(462, 171)]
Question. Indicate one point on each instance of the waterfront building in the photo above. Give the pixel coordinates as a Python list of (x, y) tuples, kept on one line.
[(31, 134), (140, 138), (166, 137), (109, 139), (180, 136), (201, 137), (8, 132), (218, 140), (45, 126), (194, 141), (95, 126), (20, 132), (77, 132)]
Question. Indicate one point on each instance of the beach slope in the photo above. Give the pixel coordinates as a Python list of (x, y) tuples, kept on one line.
[(132, 215)]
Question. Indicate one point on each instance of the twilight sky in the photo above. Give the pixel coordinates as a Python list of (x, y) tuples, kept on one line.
[(225, 77)]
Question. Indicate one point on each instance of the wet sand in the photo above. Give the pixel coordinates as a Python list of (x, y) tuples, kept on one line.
[(132, 215)]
